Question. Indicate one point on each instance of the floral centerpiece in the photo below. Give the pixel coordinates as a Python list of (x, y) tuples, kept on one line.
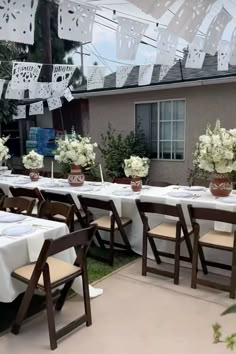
[(33, 162), (78, 152), (4, 151), (216, 154), (136, 167)]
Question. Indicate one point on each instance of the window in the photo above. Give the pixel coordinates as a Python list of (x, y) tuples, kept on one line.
[(163, 124)]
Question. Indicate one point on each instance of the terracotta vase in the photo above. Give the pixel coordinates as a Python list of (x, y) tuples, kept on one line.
[(34, 175), (76, 176), (136, 184), (220, 186)]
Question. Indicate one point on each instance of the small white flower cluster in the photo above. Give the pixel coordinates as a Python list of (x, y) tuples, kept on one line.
[(216, 150), (4, 151), (136, 166), (33, 160), (78, 151)]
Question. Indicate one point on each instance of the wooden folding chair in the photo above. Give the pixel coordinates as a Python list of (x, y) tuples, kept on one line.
[(18, 205), (225, 241), (176, 232), (108, 223), (57, 211), (28, 194), (48, 273), (122, 180), (66, 199)]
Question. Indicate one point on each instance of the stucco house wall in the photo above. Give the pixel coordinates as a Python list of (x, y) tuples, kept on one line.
[(204, 105)]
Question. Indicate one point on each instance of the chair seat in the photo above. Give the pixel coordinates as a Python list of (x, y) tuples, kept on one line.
[(105, 222), (58, 270), (218, 238), (167, 230)]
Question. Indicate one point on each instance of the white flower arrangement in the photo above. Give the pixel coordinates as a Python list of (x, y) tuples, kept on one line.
[(136, 166), (33, 161), (216, 150), (76, 150), (4, 151)]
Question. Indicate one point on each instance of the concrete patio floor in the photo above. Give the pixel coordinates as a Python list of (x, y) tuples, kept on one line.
[(135, 315)]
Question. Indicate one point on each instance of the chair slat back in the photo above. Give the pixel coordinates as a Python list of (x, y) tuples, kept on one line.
[(49, 210), (95, 203), (18, 205), (227, 217), (122, 180), (55, 197), (24, 192), (158, 208)]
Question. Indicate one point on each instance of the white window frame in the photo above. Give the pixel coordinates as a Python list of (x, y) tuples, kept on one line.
[(158, 126)]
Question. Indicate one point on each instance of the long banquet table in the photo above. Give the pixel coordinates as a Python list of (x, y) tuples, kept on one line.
[(124, 200)]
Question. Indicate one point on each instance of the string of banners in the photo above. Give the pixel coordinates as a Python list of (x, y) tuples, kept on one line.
[(76, 23)]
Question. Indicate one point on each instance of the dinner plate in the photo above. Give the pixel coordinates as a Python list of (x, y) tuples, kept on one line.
[(194, 189), (180, 194), (22, 181), (19, 230), (123, 193), (84, 188), (5, 217), (229, 200), (50, 185)]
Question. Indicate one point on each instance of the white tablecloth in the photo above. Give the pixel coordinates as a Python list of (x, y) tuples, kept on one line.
[(18, 251), (127, 208)]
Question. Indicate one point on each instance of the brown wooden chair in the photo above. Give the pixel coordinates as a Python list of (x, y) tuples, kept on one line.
[(57, 211), (28, 194), (213, 239), (122, 180), (48, 273), (18, 205), (176, 232), (158, 184), (109, 223), (66, 199)]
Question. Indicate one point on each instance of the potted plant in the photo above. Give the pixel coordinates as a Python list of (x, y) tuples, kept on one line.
[(33, 162), (136, 168), (216, 154), (77, 152)]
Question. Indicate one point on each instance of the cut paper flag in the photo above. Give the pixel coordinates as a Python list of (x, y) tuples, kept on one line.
[(160, 7), (14, 94), (20, 113), (223, 57), (128, 36), (17, 18), (24, 74), (36, 108), (166, 47), (122, 74), (145, 6), (2, 82), (58, 88), (145, 74), (196, 56), (75, 21), (215, 31), (40, 90), (61, 77), (54, 103), (68, 95), (189, 18), (164, 69), (95, 78)]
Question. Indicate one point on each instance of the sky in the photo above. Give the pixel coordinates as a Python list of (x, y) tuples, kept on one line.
[(104, 39)]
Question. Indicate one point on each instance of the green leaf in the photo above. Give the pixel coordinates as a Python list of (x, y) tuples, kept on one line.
[(231, 309), (217, 333)]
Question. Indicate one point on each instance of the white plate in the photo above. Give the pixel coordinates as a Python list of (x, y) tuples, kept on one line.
[(5, 217), (180, 194), (123, 193), (22, 181), (230, 200), (194, 189), (19, 230), (84, 188), (50, 185)]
